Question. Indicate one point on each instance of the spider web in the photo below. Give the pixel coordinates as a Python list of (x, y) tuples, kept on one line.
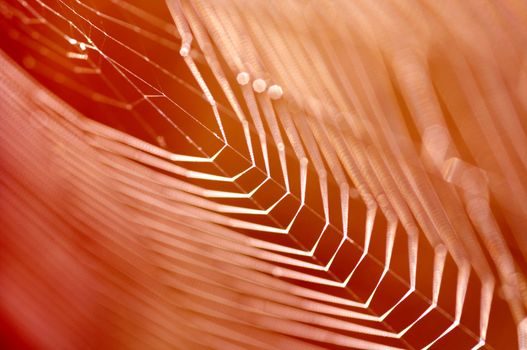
[(239, 181)]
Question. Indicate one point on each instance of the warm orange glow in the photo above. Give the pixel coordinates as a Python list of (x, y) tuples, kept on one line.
[(263, 174)]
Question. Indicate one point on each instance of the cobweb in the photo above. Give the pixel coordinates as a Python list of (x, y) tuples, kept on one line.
[(270, 175)]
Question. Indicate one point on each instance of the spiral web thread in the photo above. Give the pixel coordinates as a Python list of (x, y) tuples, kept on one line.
[(326, 155)]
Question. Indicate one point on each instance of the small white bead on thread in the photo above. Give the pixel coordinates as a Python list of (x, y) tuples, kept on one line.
[(243, 78), (185, 49), (275, 92), (259, 85)]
